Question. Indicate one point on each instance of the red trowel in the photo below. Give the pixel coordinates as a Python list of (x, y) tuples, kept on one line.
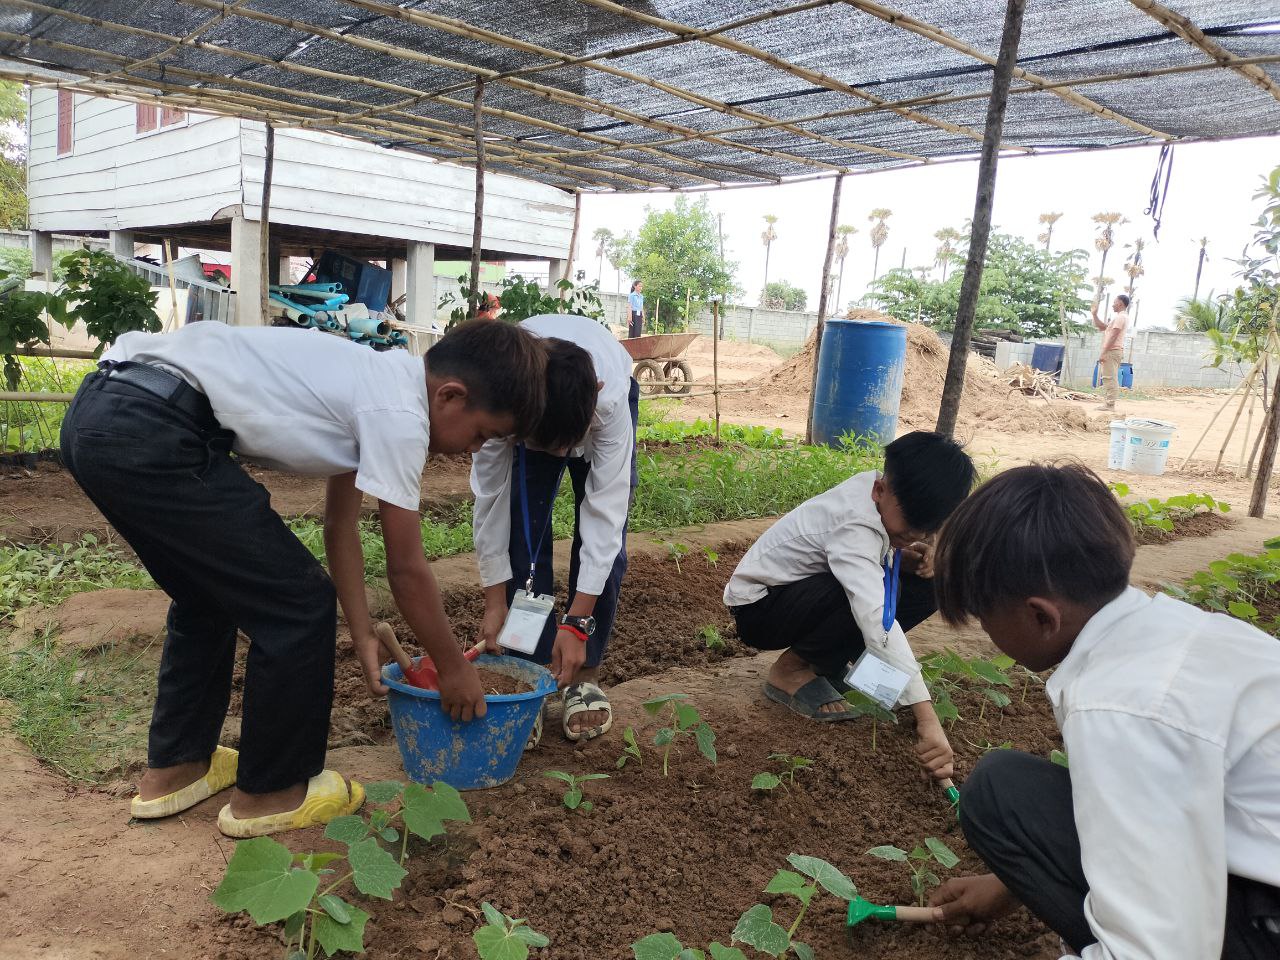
[(424, 675)]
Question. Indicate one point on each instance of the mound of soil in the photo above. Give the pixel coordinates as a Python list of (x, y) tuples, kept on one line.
[(986, 401), (1189, 525)]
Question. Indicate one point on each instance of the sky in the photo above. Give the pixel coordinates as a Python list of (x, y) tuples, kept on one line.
[(1210, 196)]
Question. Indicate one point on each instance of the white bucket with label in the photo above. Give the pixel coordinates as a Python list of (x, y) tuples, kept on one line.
[(1146, 447), (1115, 453)]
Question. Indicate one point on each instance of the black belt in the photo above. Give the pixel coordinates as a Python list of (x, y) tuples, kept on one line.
[(163, 385)]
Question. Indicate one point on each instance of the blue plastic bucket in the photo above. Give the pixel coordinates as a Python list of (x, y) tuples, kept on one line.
[(1125, 376), (859, 383), (473, 755)]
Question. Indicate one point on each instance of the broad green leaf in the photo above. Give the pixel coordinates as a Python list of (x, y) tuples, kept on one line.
[(889, 853), (586, 806), (831, 879), (654, 707), (261, 879), (389, 834), (315, 861), (1060, 758), (919, 853), (379, 819), (764, 781), (528, 934), (448, 803), (657, 946), (785, 881), (756, 929), (572, 799), (664, 737), (558, 775), (493, 915), (293, 925), (376, 872), (1245, 611), (384, 791), (346, 830), (988, 672), (690, 953), (335, 907), (334, 936), (941, 852), (498, 943), (945, 709), (686, 716), (721, 952), (706, 738), (803, 950), (997, 697), (593, 776), (420, 813)]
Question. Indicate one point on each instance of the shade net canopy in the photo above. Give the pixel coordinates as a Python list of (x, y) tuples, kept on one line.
[(595, 95)]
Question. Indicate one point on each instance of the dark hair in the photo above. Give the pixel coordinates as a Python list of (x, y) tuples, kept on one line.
[(929, 475), (634, 284), (503, 367), (571, 396), (1037, 531), (1125, 298)]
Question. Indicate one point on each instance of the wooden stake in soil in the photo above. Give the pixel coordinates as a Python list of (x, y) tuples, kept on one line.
[(1214, 419), (823, 297), (715, 360), (264, 225), (478, 225), (953, 387)]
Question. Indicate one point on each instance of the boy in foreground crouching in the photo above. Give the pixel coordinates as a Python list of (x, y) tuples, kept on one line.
[(847, 573), (1162, 840)]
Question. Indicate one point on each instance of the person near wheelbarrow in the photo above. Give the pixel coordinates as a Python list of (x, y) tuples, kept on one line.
[(150, 437), (1161, 838), (589, 431), (839, 580)]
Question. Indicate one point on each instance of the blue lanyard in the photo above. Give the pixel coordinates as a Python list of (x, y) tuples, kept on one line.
[(524, 510), (892, 569)]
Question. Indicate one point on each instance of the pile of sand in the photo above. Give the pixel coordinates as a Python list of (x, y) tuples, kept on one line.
[(987, 399)]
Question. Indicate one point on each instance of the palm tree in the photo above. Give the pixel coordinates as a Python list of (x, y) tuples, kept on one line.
[(1204, 242), (1202, 315), (1048, 219), (616, 253), (947, 237), (1133, 266), (842, 250), (879, 234), (768, 236), (1105, 241), (603, 237)]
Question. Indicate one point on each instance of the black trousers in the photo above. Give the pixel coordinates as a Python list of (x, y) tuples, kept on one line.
[(543, 470), (635, 328), (1017, 814), (813, 619), (206, 533)]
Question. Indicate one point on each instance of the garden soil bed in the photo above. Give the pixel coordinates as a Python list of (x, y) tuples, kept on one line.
[(1200, 524)]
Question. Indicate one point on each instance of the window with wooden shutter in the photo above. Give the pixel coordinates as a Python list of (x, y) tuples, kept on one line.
[(146, 117), (66, 121), (169, 117)]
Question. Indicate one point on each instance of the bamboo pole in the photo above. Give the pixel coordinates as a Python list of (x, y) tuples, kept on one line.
[(1244, 440), (715, 360), (823, 297), (60, 353), (573, 239), (478, 224), (23, 396), (1248, 395), (264, 225), (1214, 419), (953, 387), (169, 254)]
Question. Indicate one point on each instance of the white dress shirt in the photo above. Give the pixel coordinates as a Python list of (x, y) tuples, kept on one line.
[(1171, 720), (304, 401), (608, 446), (838, 531)]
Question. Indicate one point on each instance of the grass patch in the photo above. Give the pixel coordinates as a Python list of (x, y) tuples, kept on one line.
[(48, 573), (28, 427), (84, 714)]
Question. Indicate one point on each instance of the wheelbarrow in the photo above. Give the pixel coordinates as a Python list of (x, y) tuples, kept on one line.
[(658, 367)]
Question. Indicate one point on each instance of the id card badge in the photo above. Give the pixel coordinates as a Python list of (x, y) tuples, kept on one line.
[(526, 620), (878, 679)]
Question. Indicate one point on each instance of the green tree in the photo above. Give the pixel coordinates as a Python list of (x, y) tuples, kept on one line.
[(1023, 287), (1202, 315), (781, 295), (947, 239), (676, 255), (13, 156)]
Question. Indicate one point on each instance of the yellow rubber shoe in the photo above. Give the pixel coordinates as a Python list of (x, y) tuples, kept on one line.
[(222, 774), (327, 799)]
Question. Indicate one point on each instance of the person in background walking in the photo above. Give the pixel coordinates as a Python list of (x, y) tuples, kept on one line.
[(636, 327), (1113, 329)]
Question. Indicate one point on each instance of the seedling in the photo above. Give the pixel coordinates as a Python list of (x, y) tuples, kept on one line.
[(1160, 514), (993, 672), (1241, 585), (711, 636), (271, 883), (504, 938), (684, 721), (790, 766), (573, 795), (757, 928), (666, 946), (676, 551), (986, 746), (713, 558), (630, 748), (920, 861), (864, 706)]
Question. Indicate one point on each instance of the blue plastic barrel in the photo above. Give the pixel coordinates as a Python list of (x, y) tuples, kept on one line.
[(859, 380), (478, 753), (1125, 376), (1047, 357)]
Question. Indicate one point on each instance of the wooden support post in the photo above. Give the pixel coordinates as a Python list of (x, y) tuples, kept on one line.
[(715, 360), (823, 297), (264, 224), (478, 226), (1267, 459), (953, 387), (573, 240)]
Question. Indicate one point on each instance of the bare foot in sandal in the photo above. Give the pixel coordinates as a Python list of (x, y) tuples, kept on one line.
[(582, 723), (789, 673)]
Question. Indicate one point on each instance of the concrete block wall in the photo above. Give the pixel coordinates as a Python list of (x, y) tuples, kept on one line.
[(1160, 358), (748, 324), (1007, 353)]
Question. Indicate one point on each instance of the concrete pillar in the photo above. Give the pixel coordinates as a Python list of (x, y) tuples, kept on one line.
[(246, 271), (420, 284), (557, 270), (399, 277), (121, 243), (284, 268), (41, 252)]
